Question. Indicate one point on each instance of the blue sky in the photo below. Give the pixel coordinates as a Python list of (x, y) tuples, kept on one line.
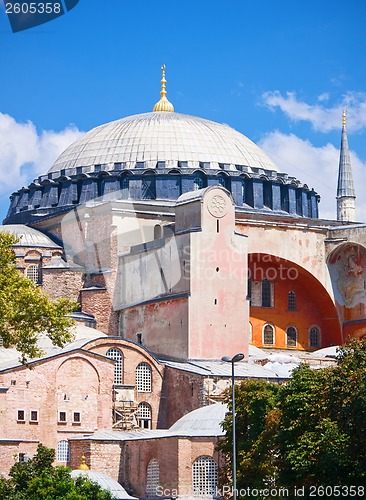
[(279, 72)]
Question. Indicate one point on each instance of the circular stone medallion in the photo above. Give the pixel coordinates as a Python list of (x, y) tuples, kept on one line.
[(217, 205)]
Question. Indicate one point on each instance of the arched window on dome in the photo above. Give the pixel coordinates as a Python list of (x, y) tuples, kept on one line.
[(144, 415), (248, 193), (148, 187), (152, 478), (223, 181), (125, 188), (291, 336), (267, 194), (204, 476), (314, 336), (143, 378), (34, 274), (285, 200), (198, 182), (63, 451), (268, 334), (117, 357)]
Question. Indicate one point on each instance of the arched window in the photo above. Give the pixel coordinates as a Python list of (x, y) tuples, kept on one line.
[(152, 478), (291, 301), (204, 476), (250, 333), (291, 337), (158, 232), (117, 356), (268, 334), (314, 336), (125, 188), (33, 273), (266, 293), (198, 183), (144, 415), (143, 378), (63, 451)]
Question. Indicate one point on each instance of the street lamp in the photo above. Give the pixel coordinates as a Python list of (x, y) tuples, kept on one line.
[(234, 359)]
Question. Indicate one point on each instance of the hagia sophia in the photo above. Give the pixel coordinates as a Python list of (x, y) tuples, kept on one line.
[(182, 242)]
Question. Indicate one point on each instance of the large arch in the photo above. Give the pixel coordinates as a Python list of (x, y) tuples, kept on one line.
[(347, 269), (314, 305)]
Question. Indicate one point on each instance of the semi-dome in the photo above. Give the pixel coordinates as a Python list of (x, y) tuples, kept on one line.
[(155, 137), (29, 237)]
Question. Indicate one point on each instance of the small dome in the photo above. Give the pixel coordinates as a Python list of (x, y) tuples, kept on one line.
[(105, 482), (29, 237), (161, 136), (207, 418)]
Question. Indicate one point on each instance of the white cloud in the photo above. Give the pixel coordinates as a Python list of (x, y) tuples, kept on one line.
[(25, 153), (317, 167), (322, 118)]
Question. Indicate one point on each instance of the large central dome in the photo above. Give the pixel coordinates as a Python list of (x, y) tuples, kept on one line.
[(155, 137)]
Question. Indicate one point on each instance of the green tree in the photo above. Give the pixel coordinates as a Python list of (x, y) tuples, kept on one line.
[(309, 431), (38, 479), (25, 310), (257, 419)]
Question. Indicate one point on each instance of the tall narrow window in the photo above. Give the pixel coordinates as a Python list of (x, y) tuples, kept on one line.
[(268, 335), (117, 356), (144, 415), (33, 273), (266, 293), (143, 378), (63, 451), (152, 478), (314, 337), (291, 301), (204, 476), (291, 337)]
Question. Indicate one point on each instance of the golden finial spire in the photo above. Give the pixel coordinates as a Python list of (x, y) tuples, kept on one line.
[(83, 465), (163, 104), (344, 118)]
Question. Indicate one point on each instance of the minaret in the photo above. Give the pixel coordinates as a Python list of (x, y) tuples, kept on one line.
[(346, 195), (163, 104)]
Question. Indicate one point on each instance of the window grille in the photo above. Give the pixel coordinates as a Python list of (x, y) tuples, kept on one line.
[(268, 335), (152, 478), (204, 476), (291, 301), (117, 357), (314, 337), (144, 415), (291, 337), (198, 183), (63, 451), (143, 378), (266, 294), (33, 273)]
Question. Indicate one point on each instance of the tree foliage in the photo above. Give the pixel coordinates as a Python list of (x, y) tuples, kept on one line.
[(25, 311), (38, 479), (308, 432)]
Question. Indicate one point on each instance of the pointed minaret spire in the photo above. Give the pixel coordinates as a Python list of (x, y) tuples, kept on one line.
[(346, 194)]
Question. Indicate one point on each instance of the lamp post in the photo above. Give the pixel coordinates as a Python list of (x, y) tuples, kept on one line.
[(233, 360)]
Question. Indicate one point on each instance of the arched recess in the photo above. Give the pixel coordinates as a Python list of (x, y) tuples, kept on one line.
[(347, 269), (314, 305)]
